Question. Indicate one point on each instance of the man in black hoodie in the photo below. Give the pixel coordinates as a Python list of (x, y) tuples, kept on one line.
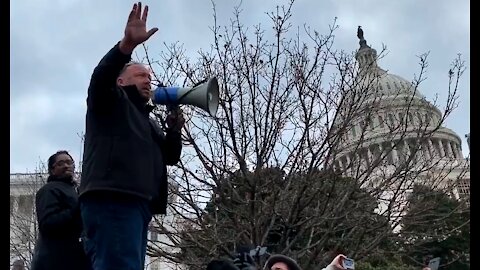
[(124, 174), (58, 245)]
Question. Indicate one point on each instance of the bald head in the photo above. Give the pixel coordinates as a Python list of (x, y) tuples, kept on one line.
[(139, 75)]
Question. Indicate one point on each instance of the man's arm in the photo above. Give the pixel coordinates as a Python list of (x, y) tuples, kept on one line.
[(170, 142), (173, 140), (172, 147), (103, 80)]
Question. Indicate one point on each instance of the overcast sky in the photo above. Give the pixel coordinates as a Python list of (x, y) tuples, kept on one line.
[(56, 44)]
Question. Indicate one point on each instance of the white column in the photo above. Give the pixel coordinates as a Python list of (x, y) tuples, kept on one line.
[(459, 152), (349, 163), (380, 151), (426, 151), (352, 162), (358, 161), (407, 149), (450, 150), (369, 156), (432, 148), (363, 161), (394, 153), (440, 146)]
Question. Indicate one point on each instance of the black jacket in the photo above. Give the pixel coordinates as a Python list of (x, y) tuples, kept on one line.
[(123, 151), (60, 226)]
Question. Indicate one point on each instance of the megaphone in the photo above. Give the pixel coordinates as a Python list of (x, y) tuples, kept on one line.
[(204, 96)]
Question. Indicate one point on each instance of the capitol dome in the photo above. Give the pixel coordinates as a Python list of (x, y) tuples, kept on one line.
[(371, 75), (383, 112), (388, 137), (392, 84)]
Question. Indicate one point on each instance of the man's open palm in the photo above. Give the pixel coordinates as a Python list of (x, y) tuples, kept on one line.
[(136, 29)]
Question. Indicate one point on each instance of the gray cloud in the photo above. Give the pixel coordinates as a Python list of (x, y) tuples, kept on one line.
[(56, 44)]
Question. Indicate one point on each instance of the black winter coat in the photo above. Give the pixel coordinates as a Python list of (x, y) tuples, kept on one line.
[(60, 226), (123, 151)]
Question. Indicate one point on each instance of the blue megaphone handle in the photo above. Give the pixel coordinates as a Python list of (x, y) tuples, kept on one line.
[(166, 95)]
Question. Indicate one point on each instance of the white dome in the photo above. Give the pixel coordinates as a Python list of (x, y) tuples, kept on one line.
[(385, 131), (394, 85), (380, 109), (386, 84)]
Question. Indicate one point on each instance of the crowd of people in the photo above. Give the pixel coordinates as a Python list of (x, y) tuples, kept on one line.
[(274, 262)]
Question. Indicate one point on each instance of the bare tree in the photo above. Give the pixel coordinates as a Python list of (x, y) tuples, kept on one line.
[(304, 138), (23, 218)]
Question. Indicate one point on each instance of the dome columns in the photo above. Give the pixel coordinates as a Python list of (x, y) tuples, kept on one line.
[(431, 149)]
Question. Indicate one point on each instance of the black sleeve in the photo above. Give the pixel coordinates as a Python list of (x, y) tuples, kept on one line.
[(102, 86), (170, 143), (54, 214), (172, 147)]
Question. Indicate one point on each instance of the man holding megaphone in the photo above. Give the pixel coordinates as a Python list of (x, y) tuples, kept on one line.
[(124, 174)]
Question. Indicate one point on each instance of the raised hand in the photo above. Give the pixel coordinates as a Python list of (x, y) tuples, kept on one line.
[(136, 29), (337, 263)]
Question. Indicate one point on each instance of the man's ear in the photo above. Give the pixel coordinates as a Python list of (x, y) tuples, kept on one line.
[(120, 81)]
